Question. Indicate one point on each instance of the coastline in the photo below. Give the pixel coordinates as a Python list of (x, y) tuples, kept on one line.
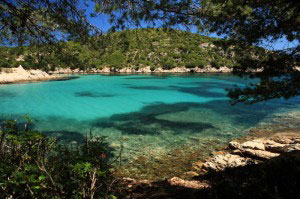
[(256, 148), (262, 149), (142, 70), (20, 75), (241, 167)]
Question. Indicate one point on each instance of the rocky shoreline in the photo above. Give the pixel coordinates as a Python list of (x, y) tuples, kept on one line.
[(237, 155), (146, 69), (19, 75), (254, 151)]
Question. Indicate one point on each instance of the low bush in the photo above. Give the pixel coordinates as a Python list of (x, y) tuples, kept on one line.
[(35, 166)]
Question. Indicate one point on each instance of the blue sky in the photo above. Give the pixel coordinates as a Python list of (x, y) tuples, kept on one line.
[(102, 22)]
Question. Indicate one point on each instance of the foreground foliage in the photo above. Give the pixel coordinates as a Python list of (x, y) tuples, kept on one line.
[(35, 166), (24, 22)]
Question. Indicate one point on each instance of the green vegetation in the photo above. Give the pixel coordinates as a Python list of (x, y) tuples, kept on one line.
[(24, 22), (244, 23), (165, 48), (35, 166)]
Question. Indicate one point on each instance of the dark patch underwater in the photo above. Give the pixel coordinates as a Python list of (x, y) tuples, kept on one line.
[(7, 94), (152, 77), (64, 79), (93, 94)]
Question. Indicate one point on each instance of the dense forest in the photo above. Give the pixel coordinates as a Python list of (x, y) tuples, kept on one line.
[(165, 48)]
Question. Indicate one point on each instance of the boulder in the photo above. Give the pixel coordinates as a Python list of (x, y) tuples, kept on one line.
[(105, 70), (259, 154), (126, 70), (197, 165), (193, 184), (158, 70), (291, 147), (254, 144), (234, 145), (220, 162), (273, 146)]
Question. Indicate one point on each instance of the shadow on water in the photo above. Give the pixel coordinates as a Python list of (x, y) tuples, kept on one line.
[(150, 77), (146, 87), (7, 94), (64, 79), (20, 120), (203, 90), (199, 91), (146, 121), (66, 136), (93, 94), (125, 84)]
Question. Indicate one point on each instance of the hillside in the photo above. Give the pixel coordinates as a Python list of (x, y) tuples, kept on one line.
[(131, 48)]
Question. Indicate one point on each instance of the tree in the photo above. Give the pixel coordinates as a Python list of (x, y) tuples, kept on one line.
[(244, 23), (24, 22)]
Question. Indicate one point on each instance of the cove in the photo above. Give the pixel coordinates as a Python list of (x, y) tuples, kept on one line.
[(147, 113)]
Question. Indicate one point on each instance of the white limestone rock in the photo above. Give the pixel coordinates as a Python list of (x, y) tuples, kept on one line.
[(254, 144), (220, 162), (259, 154), (234, 145)]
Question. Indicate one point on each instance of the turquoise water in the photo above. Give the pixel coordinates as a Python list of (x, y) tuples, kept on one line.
[(145, 112)]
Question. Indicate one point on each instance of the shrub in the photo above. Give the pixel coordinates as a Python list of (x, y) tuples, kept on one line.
[(215, 64), (35, 166), (116, 59), (5, 64), (201, 63), (191, 64), (152, 68), (168, 64)]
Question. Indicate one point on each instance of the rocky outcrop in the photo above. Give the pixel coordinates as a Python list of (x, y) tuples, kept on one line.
[(146, 69), (192, 184), (220, 162), (20, 74), (250, 152)]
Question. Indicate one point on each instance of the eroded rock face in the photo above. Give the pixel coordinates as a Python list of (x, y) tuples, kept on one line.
[(255, 144), (220, 162), (188, 184), (253, 151), (20, 74), (234, 145), (259, 154)]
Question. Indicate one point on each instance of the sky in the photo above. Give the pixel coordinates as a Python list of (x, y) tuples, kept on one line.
[(102, 22)]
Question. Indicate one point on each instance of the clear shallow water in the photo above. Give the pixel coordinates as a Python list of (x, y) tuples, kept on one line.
[(150, 114)]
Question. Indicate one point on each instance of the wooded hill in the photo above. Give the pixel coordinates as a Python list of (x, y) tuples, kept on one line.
[(131, 48)]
